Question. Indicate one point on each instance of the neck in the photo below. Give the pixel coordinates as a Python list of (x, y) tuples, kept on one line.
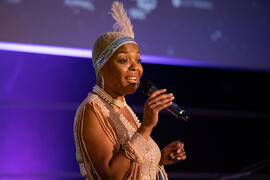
[(108, 98), (114, 94)]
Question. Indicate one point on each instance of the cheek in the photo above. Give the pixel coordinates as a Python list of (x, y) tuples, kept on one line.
[(140, 70), (113, 70), (119, 72)]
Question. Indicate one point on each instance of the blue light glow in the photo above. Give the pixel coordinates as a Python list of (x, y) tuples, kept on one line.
[(87, 53), (43, 49)]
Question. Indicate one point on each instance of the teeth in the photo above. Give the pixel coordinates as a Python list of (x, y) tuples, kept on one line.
[(131, 78)]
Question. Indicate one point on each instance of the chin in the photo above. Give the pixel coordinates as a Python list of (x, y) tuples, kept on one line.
[(130, 89)]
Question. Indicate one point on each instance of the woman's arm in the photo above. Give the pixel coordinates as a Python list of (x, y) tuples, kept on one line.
[(153, 105), (101, 150), (107, 163)]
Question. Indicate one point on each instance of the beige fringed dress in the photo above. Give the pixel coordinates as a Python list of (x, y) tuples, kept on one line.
[(144, 155)]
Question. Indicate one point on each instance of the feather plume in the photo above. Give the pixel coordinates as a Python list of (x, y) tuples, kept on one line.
[(122, 23)]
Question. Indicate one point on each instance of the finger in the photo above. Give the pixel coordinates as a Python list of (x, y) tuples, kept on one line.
[(174, 143), (159, 108), (154, 106), (161, 102), (180, 145), (180, 154), (160, 98), (172, 156), (179, 151), (175, 148), (156, 93), (181, 158), (165, 100), (172, 146)]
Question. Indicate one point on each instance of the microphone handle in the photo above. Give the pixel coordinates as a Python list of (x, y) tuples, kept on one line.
[(178, 112)]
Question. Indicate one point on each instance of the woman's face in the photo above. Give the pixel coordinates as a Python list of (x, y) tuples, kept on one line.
[(123, 70)]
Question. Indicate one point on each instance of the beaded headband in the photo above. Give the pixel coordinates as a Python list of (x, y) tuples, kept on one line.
[(110, 49), (123, 34)]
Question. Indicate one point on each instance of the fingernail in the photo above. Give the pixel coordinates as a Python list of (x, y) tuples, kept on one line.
[(178, 151), (172, 156), (178, 158)]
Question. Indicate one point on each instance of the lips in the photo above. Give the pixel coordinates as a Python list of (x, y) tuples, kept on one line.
[(132, 79)]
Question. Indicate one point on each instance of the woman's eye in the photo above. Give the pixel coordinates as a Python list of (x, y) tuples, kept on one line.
[(138, 61), (122, 61)]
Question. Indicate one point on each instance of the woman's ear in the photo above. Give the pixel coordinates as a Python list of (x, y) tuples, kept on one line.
[(100, 73), (100, 79)]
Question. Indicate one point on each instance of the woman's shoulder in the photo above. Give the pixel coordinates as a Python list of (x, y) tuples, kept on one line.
[(95, 102), (94, 99), (90, 100)]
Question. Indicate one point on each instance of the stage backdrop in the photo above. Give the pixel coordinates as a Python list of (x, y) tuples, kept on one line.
[(223, 33)]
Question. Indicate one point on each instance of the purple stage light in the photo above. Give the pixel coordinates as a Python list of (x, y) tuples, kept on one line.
[(87, 53), (149, 59), (43, 49)]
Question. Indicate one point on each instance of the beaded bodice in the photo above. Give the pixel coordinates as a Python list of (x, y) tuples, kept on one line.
[(124, 131)]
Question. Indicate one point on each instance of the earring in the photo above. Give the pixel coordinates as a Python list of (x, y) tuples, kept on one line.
[(100, 81)]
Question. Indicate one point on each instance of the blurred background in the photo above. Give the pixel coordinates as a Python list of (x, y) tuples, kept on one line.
[(213, 55)]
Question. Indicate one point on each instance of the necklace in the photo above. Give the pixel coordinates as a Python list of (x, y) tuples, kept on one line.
[(106, 97)]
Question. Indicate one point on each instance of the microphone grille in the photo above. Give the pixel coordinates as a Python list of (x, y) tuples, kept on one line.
[(147, 87)]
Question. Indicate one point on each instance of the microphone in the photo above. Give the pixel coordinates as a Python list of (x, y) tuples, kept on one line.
[(147, 88)]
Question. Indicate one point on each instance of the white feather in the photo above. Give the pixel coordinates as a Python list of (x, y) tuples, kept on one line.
[(122, 23)]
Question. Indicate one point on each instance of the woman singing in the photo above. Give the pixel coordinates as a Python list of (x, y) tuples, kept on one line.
[(111, 143)]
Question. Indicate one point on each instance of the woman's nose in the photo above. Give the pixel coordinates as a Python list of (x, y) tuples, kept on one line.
[(133, 66)]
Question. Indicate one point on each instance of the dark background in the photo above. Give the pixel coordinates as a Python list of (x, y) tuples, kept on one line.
[(228, 128)]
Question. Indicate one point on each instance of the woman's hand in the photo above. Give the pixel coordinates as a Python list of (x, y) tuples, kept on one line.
[(155, 103), (172, 153)]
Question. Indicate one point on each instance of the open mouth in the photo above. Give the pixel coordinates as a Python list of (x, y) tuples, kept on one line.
[(132, 79)]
